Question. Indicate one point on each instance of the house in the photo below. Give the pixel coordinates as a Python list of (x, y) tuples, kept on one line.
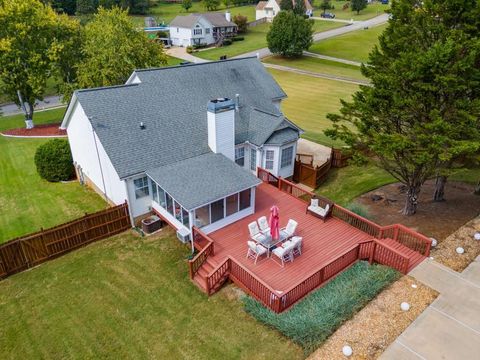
[(183, 141), (195, 29), (269, 9)]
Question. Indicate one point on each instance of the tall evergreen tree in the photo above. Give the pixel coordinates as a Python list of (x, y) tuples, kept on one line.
[(299, 7), (286, 5), (423, 107)]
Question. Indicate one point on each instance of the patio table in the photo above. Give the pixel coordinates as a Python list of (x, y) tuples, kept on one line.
[(269, 243)]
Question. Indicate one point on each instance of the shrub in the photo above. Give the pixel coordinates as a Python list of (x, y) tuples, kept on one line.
[(227, 42), (242, 23), (189, 49), (311, 321), (162, 34), (359, 210), (54, 161), (200, 46), (238, 38)]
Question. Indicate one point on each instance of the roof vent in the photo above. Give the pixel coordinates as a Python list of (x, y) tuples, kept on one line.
[(220, 104), (142, 125)]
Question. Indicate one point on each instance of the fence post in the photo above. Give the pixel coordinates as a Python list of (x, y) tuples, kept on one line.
[(372, 254), (396, 229)]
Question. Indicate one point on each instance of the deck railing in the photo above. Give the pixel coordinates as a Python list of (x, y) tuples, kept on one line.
[(217, 275), (267, 177), (386, 255), (357, 221), (196, 263), (407, 237)]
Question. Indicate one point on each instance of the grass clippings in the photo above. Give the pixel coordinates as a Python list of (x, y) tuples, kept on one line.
[(445, 252), (379, 323)]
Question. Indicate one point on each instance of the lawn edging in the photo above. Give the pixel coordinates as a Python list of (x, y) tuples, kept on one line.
[(310, 322)]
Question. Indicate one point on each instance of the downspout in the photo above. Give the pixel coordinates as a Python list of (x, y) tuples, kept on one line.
[(99, 162)]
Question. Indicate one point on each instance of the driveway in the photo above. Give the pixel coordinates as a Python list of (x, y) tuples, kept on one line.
[(181, 53), (450, 327)]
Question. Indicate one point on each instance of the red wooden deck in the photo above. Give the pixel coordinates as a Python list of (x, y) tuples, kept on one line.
[(322, 242)]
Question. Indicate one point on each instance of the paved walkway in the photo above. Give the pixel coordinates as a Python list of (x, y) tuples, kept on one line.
[(48, 103), (315, 74), (450, 327), (331, 58)]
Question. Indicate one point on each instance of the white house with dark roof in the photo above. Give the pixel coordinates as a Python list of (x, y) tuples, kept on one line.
[(195, 29), (270, 8), (183, 141)]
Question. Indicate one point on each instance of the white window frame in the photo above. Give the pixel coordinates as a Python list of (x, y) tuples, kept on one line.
[(253, 159), (240, 155), (268, 160), (143, 186), (284, 161), (197, 31)]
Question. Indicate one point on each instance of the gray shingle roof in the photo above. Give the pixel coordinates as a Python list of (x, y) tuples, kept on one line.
[(192, 186), (188, 21), (172, 104), (283, 136)]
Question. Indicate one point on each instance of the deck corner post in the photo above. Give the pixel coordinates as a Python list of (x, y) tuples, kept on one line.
[(396, 230), (372, 254)]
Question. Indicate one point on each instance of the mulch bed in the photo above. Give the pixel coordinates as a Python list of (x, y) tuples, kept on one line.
[(433, 219), (46, 130)]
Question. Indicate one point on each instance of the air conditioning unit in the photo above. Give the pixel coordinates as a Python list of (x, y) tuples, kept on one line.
[(183, 235)]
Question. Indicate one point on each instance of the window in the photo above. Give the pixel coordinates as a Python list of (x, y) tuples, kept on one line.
[(141, 187), (197, 31), (178, 30), (240, 156), (154, 191), (178, 211), (232, 204), (202, 216), (169, 203), (245, 199), (269, 156), (217, 210), (253, 159), (185, 219), (287, 155), (161, 197), (207, 31)]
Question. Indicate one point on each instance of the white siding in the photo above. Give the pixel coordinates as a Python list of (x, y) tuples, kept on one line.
[(82, 144), (181, 36), (142, 205), (288, 170), (168, 216), (221, 133), (184, 36)]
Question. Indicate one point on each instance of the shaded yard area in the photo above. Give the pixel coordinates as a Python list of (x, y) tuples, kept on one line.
[(28, 202), (127, 297), (372, 10), (355, 45), (310, 100)]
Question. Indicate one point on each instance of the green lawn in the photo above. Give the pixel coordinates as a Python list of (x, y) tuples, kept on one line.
[(28, 202), (255, 38), (318, 65), (355, 45), (173, 60), (369, 12), (310, 100), (128, 297), (164, 12)]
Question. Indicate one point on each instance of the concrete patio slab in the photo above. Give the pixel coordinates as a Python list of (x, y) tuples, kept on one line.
[(472, 272)]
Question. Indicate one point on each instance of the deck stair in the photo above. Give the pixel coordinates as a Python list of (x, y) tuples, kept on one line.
[(200, 278)]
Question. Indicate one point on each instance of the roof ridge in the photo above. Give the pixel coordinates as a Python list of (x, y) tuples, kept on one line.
[(105, 88), (194, 64), (268, 112)]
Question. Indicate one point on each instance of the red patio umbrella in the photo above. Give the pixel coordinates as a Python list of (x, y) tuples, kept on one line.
[(274, 223)]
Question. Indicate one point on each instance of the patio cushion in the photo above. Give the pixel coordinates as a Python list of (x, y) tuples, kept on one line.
[(314, 202)]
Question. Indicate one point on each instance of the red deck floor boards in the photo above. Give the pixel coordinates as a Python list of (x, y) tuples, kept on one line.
[(322, 242)]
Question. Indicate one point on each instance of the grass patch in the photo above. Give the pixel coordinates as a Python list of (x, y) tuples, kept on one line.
[(355, 45), (345, 184), (171, 61), (127, 297), (28, 202), (310, 100), (309, 63), (315, 318), (372, 10)]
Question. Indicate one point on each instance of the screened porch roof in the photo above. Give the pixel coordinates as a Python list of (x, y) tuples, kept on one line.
[(200, 180)]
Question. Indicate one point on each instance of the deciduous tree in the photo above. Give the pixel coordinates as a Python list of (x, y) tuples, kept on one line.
[(211, 5), (422, 109), (325, 5), (358, 5), (31, 36), (186, 4), (290, 34), (242, 23), (113, 48), (286, 5)]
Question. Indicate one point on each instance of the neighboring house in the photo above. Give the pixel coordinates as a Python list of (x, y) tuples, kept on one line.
[(184, 141), (269, 9), (195, 29)]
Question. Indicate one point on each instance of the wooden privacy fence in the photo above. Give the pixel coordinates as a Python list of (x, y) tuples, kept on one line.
[(27, 251), (308, 174), (257, 22)]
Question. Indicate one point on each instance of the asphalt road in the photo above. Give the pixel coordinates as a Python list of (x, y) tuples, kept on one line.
[(47, 103)]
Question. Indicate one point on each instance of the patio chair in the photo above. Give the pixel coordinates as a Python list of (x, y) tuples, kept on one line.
[(284, 253), (255, 251), (297, 245), (255, 233), (319, 211), (288, 231), (263, 224)]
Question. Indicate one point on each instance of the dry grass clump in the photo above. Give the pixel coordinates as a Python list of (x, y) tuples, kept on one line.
[(446, 254), (379, 323)]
